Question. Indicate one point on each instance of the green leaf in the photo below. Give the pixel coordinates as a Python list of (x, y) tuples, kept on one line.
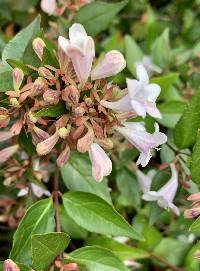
[(195, 168), (128, 186), (39, 218), (172, 250), (6, 82), (52, 111), (69, 226), (18, 64), (186, 129), (171, 112), (190, 263), (96, 258), (122, 251), (77, 176), (46, 247), (195, 227), (16, 47), (165, 82), (133, 53), (167, 155), (96, 215), (97, 16), (161, 52)]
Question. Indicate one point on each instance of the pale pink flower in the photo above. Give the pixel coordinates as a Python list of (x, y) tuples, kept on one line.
[(6, 153), (137, 135), (141, 97), (63, 157), (38, 191), (145, 180), (5, 135), (47, 145), (38, 47), (18, 76), (48, 6), (9, 265), (80, 49), (165, 195), (85, 142), (112, 63), (101, 163)]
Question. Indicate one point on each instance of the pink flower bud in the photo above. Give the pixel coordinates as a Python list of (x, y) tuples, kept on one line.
[(6, 153), (63, 157), (5, 135), (70, 267), (44, 72), (17, 126), (51, 96), (39, 86), (38, 47), (47, 145), (18, 77), (9, 265), (4, 117), (85, 142), (48, 6), (194, 197), (71, 95), (191, 213), (112, 63), (38, 135)]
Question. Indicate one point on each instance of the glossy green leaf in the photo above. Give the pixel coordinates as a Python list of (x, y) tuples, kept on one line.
[(96, 215), (52, 111), (39, 218), (6, 82), (171, 112), (195, 163), (16, 47), (195, 227), (186, 129), (46, 247), (161, 52), (190, 263), (77, 176), (96, 258), (122, 251), (133, 53), (97, 15)]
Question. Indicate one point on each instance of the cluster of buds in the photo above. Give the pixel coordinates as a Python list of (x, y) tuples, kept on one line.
[(194, 211), (57, 8), (94, 108)]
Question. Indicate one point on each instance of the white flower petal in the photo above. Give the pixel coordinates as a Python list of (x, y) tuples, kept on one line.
[(142, 74)]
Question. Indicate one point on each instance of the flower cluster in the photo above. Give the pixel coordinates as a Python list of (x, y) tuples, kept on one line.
[(51, 7), (90, 108), (194, 211)]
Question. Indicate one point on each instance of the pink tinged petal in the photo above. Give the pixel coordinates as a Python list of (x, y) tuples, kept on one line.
[(38, 135), (197, 255), (122, 105), (62, 55), (48, 6), (152, 110), (101, 163), (134, 89), (139, 108), (63, 157), (47, 145), (112, 63), (82, 60), (39, 191), (18, 76), (6, 153), (145, 180), (9, 265), (5, 135), (142, 74), (191, 213), (63, 43), (78, 35), (84, 143), (17, 126), (152, 91), (194, 197)]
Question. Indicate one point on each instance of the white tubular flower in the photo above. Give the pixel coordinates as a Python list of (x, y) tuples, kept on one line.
[(80, 49), (48, 6), (101, 163), (141, 96), (112, 63), (165, 195), (136, 134), (145, 180), (148, 65)]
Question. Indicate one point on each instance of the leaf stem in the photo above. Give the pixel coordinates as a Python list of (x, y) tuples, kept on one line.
[(56, 199), (165, 262)]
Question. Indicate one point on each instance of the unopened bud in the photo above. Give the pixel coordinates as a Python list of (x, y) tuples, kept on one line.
[(85, 142), (38, 47), (105, 143), (47, 145), (39, 86), (63, 157), (71, 95), (4, 117), (16, 127), (51, 96), (79, 110), (18, 77), (70, 267), (191, 213), (14, 102), (88, 101), (9, 265), (194, 197), (32, 117), (64, 132), (44, 72)]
